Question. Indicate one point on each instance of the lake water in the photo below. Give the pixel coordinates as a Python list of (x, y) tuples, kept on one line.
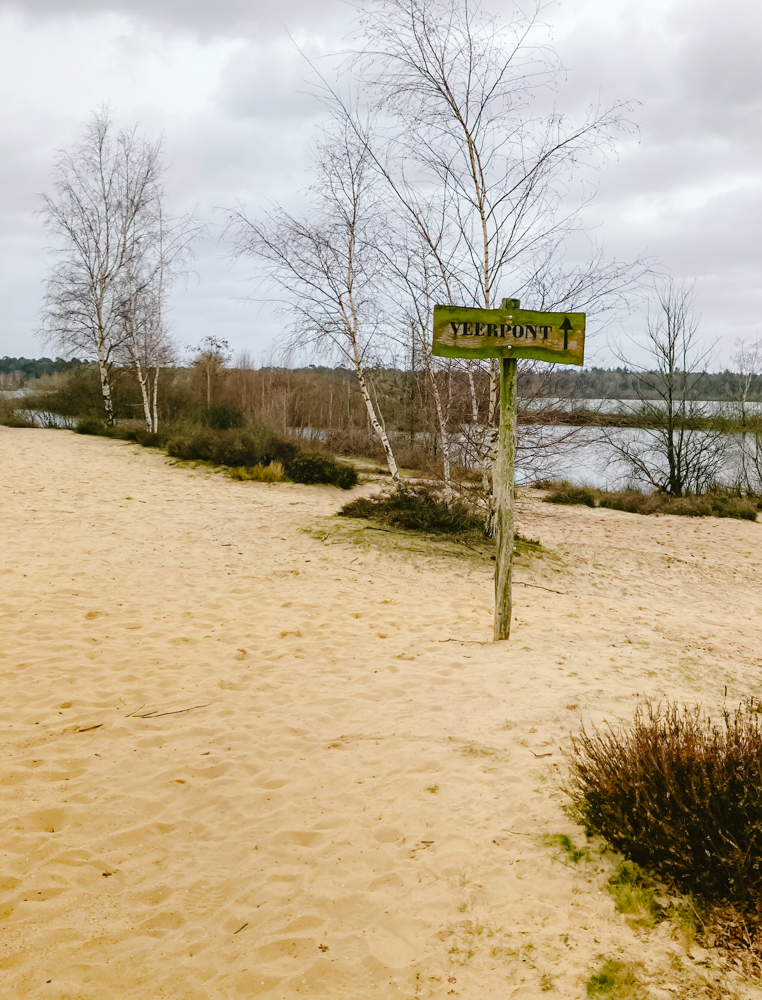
[(588, 456), (705, 407)]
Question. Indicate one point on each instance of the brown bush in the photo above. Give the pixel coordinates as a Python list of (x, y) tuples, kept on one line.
[(679, 795), (718, 503)]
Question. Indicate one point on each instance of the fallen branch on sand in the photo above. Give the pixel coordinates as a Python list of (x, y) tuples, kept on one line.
[(520, 583), (177, 711)]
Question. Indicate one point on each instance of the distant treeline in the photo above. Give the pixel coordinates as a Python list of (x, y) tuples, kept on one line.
[(16, 372), (619, 383), (567, 382)]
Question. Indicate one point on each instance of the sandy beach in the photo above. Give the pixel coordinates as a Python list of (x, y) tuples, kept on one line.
[(252, 751)]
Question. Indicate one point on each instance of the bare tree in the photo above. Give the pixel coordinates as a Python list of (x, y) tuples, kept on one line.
[(466, 148), (212, 356), (416, 279), (158, 253), (327, 263), (678, 455), (103, 189), (747, 360)]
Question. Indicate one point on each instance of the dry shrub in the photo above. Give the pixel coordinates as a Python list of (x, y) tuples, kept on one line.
[(11, 415), (309, 467), (717, 503), (257, 446), (232, 447), (679, 795), (419, 507), (566, 493)]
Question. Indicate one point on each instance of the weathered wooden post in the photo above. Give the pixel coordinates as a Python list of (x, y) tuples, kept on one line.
[(502, 489), (508, 333)]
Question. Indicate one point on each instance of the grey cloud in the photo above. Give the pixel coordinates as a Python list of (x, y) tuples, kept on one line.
[(202, 17), (688, 190), (269, 84)]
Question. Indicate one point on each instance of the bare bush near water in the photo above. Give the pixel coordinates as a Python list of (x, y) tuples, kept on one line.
[(672, 458)]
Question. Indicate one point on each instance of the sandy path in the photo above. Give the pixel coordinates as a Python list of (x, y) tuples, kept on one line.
[(349, 799)]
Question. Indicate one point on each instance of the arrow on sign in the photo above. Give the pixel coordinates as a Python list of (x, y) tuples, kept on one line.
[(566, 326)]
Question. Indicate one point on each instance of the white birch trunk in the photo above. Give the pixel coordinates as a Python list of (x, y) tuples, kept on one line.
[(155, 400), (108, 400), (144, 393), (444, 437), (375, 423)]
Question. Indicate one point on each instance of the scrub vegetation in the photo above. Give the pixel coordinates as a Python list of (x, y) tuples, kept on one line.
[(716, 503), (678, 795)]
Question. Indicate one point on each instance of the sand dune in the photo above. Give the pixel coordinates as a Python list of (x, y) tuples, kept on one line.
[(245, 757)]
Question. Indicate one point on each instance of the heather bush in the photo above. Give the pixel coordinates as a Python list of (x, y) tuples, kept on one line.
[(233, 447), (678, 794), (565, 493), (223, 418), (308, 467), (147, 439), (718, 503), (90, 427), (257, 446), (419, 507)]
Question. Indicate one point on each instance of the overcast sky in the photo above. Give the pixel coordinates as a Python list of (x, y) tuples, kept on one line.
[(223, 82)]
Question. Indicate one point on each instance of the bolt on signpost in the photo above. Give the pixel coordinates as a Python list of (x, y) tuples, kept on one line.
[(507, 333)]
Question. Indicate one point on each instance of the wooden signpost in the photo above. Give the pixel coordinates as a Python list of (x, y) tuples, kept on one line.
[(507, 333)]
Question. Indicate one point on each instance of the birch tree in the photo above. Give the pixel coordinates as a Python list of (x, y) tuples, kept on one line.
[(327, 263), (102, 189), (160, 247), (418, 281), (116, 254), (459, 93)]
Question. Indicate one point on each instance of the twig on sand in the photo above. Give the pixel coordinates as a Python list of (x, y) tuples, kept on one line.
[(88, 728), (177, 711), (136, 711), (539, 587), (241, 927)]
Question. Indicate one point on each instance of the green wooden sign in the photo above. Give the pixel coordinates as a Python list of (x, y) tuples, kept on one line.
[(509, 332)]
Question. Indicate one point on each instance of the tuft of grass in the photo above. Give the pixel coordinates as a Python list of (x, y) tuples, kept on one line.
[(419, 507), (678, 795), (633, 893), (716, 503), (562, 840), (615, 980), (472, 751), (686, 918), (272, 473), (432, 788)]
